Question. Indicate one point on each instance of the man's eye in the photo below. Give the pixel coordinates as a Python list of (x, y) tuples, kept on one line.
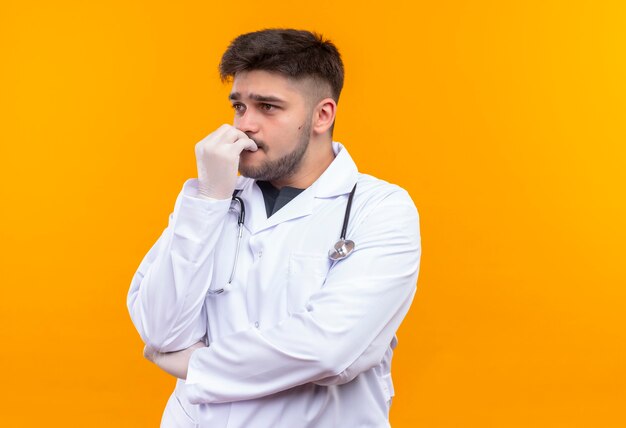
[(239, 108), (267, 107)]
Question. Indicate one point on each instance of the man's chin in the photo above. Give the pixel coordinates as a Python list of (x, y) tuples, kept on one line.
[(250, 170), (250, 174)]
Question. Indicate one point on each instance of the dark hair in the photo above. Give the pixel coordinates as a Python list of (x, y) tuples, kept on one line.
[(292, 53)]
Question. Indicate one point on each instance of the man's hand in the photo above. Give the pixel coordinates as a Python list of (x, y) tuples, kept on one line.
[(217, 158), (174, 363), (149, 353)]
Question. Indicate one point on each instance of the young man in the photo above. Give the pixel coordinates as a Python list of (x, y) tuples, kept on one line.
[(289, 320)]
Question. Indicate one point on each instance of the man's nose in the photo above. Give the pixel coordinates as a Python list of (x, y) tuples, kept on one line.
[(246, 122)]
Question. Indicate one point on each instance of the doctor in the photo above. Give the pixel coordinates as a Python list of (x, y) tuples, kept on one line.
[(260, 326)]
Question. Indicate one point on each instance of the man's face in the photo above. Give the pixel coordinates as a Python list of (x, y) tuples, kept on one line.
[(273, 111)]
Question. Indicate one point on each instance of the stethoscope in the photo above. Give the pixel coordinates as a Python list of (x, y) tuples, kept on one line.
[(342, 248)]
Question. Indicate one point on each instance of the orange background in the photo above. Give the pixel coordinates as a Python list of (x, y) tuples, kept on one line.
[(504, 120)]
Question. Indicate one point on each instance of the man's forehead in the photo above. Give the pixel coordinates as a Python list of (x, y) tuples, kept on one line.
[(262, 79), (261, 83)]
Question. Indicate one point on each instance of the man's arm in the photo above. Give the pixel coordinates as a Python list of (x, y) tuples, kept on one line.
[(166, 297), (167, 292), (363, 301)]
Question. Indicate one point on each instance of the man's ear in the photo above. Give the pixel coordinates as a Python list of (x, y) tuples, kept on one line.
[(324, 115)]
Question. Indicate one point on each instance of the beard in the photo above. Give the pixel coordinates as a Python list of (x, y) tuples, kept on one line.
[(283, 167)]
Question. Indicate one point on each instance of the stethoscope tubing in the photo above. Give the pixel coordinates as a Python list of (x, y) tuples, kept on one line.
[(341, 250), (346, 216), (240, 221)]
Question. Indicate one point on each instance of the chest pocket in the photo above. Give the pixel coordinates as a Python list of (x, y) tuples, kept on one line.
[(306, 275)]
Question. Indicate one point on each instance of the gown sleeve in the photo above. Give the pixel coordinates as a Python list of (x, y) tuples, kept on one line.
[(166, 296)]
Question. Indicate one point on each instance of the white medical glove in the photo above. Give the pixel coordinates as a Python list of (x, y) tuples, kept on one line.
[(217, 158)]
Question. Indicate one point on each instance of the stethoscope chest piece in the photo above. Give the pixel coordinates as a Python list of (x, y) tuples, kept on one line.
[(342, 249)]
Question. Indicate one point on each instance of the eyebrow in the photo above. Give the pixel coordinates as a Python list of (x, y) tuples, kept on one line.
[(236, 96)]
